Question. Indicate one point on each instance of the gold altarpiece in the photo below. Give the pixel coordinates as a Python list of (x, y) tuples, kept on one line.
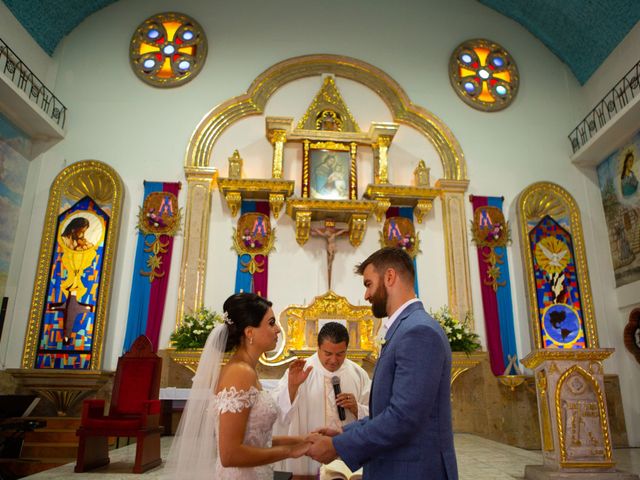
[(329, 125), (569, 379), (202, 177)]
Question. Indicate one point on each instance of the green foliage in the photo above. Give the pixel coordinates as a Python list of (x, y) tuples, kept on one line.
[(460, 337), (195, 328)]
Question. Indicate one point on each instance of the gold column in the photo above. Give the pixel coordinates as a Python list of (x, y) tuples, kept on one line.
[(278, 139), (381, 160), (455, 242), (200, 182)]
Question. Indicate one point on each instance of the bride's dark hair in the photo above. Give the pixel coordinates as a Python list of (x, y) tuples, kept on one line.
[(243, 310)]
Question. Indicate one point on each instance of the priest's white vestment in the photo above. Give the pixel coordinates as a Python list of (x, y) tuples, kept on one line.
[(315, 406)]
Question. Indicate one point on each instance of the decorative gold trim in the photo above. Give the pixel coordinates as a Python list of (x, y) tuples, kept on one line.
[(275, 191), (352, 212), (536, 357), (234, 202), (462, 362), (303, 226), (545, 416), (382, 205), (603, 465), (535, 202), (357, 228), (381, 159), (278, 139), (200, 183), (301, 325), (328, 98), (308, 146), (420, 198), (76, 181), (602, 411), (253, 102), (276, 202)]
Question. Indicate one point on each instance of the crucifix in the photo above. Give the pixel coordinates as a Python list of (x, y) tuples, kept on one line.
[(70, 308), (330, 234)]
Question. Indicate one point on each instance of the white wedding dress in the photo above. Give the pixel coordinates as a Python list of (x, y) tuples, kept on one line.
[(194, 451), (258, 433)]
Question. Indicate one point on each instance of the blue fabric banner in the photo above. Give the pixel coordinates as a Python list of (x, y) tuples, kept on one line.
[(140, 285)]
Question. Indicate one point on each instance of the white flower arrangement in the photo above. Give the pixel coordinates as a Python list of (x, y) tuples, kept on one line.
[(461, 339), (195, 328)]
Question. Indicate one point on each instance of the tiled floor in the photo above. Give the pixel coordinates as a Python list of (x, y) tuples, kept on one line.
[(478, 459)]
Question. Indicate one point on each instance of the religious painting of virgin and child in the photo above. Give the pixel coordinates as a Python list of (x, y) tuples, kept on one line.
[(329, 174), (618, 178), (66, 335)]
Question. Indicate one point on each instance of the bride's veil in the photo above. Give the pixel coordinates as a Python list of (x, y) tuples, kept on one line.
[(194, 450)]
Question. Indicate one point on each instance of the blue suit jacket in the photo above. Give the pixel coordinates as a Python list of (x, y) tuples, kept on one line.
[(408, 434)]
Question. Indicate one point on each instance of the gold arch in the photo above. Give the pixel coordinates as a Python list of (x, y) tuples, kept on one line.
[(267, 83), (201, 175)]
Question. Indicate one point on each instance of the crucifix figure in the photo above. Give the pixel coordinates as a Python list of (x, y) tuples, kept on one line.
[(330, 233), (70, 308)]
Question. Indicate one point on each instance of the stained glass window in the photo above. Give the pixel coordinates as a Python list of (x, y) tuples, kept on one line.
[(483, 74), (168, 49)]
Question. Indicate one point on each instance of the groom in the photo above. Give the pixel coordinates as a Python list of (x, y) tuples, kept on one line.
[(408, 434)]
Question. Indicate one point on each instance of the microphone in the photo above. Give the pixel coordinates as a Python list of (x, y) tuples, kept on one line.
[(335, 381)]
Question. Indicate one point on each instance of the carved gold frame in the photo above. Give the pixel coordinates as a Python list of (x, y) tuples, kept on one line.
[(350, 149), (201, 176), (103, 184), (301, 322), (535, 202)]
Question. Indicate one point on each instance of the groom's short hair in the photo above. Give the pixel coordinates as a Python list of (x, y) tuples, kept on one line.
[(390, 257), (334, 332)]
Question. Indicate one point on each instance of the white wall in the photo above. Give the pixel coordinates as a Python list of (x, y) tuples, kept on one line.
[(143, 133)]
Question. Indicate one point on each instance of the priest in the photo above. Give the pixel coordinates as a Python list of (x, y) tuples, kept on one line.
[(308, 398)]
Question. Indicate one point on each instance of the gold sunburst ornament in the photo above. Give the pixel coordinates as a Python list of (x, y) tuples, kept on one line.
[(552, 255)]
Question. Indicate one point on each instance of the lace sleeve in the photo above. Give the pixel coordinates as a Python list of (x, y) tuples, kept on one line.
[(234, 401)]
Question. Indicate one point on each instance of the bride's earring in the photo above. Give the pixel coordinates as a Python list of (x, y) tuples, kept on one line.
[(250, 340)]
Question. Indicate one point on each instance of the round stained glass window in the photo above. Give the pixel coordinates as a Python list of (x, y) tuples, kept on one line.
[(484, 75), (168, 49)]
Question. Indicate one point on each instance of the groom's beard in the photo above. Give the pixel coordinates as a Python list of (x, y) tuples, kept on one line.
[(379, 301)]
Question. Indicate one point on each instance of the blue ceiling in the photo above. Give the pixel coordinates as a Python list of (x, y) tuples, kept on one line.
[(582, 33)]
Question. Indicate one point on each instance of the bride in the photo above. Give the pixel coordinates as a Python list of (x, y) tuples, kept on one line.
[(226, 427)]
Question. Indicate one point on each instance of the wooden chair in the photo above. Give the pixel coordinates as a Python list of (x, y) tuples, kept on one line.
[(134, 412)]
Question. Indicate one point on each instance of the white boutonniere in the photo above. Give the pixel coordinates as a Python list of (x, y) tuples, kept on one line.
[(379, 343)]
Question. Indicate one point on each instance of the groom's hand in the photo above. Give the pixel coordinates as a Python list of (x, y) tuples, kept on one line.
[(322, 450), (328, 431)]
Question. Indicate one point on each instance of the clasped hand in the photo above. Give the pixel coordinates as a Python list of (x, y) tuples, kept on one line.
[(321, 448)]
